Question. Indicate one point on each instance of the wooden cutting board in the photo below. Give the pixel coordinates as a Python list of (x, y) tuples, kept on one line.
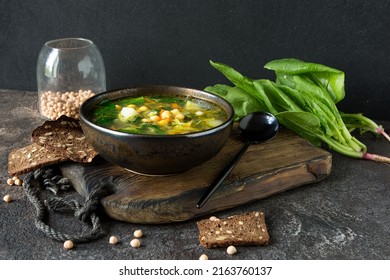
[(285, 162)]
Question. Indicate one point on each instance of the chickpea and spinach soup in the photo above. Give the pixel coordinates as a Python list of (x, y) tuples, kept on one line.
[(158, 115)]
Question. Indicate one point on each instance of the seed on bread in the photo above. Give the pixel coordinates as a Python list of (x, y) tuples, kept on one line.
[(31, 157), (65, 136)]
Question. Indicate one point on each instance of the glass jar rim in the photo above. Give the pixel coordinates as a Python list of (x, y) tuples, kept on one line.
[(69, 43)]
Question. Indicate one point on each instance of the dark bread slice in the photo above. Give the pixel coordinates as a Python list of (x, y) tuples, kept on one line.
[(64, 136), (247, 229), (30, 158)]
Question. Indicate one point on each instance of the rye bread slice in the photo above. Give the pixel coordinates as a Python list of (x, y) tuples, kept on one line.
[(64, 136), (247, 229), (30, 158)]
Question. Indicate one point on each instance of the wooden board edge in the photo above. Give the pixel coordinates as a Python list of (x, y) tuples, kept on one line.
[(232, 194)]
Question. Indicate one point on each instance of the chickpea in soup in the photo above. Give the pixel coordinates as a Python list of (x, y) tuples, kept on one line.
[(164, 115)]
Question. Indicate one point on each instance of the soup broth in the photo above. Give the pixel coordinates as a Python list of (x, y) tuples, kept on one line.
[(164, 115)]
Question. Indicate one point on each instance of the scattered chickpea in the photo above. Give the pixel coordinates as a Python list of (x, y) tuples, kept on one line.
[(138, 233), (7, 198), (135, 243), (231, 250), (68, 244), (18, 182), (113, 240), (14, 181), (203, 257)]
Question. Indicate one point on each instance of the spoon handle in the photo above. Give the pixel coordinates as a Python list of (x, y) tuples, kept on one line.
[(222, 176)]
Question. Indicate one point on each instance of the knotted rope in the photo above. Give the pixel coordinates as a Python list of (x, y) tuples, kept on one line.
[(33, 183)]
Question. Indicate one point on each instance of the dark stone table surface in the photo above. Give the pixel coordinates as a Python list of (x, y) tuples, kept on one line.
[(345, 216)]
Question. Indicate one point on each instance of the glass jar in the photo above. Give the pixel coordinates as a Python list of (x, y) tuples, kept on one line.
[(69, 71)]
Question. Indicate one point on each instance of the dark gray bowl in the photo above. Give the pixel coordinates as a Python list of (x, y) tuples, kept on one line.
[(156, 154)]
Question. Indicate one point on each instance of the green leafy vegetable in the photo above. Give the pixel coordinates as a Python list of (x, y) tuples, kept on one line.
[(305, 124), (329, 78), (364, 124), (303, 98), (243, 103), (261, 100)]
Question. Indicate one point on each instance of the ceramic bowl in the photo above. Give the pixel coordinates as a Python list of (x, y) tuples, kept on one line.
[(156, 154)]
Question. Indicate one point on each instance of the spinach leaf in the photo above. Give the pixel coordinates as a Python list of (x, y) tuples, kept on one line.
[(303, 99), (305, 124), (327, 77), (219, 89), (280, 100), (243, 103), (247, 85)]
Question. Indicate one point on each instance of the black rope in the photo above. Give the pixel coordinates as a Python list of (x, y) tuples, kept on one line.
[(33, 183)]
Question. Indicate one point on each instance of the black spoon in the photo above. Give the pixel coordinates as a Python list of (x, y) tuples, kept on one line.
[(254, 128)]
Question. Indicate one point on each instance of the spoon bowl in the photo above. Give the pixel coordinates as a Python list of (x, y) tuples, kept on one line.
[(254, 128), (258, 127)]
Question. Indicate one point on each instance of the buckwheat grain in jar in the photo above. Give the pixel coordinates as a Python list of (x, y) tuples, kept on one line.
[(69, 71)]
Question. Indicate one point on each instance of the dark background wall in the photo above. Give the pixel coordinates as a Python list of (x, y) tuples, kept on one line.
[(172, 41)]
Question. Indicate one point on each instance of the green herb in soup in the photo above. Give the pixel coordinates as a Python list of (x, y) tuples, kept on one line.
[(158, 115)]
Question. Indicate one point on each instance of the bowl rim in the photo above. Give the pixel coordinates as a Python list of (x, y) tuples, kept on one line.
[(85, 120)]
